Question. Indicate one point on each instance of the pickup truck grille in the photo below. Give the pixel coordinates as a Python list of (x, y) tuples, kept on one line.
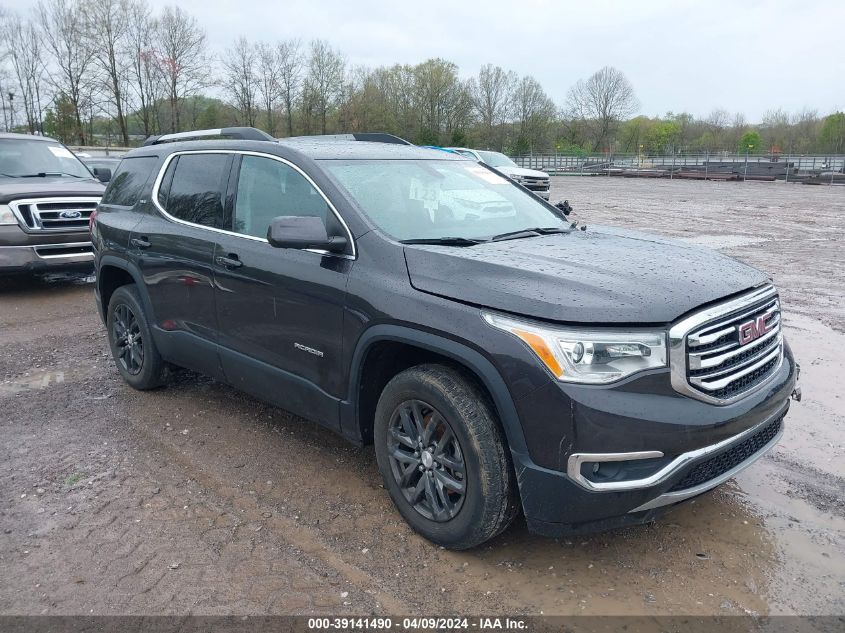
[(54, 214), (535, 184), (729, 353)]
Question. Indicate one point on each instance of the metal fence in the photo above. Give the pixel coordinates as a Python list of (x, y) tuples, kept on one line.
[(561, 163), (99, 151)]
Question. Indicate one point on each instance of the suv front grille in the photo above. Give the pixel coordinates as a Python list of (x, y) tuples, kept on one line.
[(731, 458), (726, 352), (54, 214)]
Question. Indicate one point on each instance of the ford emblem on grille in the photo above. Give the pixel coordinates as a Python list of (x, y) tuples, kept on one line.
[(70, 215), (754, 329)]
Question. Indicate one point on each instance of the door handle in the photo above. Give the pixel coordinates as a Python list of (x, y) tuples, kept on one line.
[(140, 242), (230, 261)]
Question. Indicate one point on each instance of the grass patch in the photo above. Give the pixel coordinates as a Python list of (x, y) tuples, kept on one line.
[(72, 480)]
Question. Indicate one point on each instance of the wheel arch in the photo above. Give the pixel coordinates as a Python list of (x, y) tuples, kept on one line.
[(372, 368), (114, 272)]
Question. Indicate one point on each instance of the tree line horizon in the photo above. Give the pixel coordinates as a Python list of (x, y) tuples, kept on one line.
[(115, 70)]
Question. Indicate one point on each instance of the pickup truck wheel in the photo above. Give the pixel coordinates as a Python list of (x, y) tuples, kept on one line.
[(443, 458), (131, 342)]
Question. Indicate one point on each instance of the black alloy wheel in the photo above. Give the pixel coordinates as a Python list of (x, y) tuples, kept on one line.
[(427, 461), (127, 337)]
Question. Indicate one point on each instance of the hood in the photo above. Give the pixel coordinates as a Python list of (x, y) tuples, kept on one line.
[(18, 188), (601, 275), (511, 170)]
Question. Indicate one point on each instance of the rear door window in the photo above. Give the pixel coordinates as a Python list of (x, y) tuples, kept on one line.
[(196, 191), (127, 185)]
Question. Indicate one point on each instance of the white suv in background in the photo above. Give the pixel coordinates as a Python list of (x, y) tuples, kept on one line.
[(536, 181)]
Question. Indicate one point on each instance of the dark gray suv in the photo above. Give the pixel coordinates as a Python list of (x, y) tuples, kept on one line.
[(498, 359)]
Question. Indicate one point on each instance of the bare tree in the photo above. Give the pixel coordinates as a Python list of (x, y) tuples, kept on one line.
[(269, 83), (400, 84), (435, 88), (806, 126), (109, 27), (182, 56), (534, 111), (145, 71), (737, 129), (63, 23), (602, 101), (325, 78), (241, 80), (290, 62), (459, 110), (492, 95), (22, 46)]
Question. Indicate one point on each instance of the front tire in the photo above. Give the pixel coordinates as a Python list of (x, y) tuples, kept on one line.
[(130, 339), (443, 457)]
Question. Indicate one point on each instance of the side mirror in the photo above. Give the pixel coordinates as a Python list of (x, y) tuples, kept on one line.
[(303, 232), (103, 174)]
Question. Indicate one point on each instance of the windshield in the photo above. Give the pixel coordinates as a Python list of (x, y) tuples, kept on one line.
[(20, 158), (430, 199), (495, 159)]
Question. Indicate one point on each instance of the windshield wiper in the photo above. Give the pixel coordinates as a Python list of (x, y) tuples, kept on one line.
[(531, 232), (46, 174), (444, 241)]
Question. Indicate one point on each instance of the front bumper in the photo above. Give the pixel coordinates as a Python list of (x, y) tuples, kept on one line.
[(46, 257), (37, 251), (664, 447)]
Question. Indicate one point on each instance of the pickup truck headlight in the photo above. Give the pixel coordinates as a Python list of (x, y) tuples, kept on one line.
[(6, 215), (590, 356)]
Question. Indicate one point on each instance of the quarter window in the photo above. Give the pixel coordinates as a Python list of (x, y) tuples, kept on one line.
[(128, 182), (196, 191), (268, 189), (164, 187)]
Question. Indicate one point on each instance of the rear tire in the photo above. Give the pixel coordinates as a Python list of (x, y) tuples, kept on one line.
[(134, 352), (444, 458)]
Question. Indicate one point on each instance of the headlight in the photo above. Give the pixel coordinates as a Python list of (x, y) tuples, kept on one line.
[(592, 356), (6, 215)]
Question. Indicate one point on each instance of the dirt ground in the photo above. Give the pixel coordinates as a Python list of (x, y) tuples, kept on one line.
[(197, 499)]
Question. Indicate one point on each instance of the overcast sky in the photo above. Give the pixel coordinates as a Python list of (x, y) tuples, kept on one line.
[(745, 55)]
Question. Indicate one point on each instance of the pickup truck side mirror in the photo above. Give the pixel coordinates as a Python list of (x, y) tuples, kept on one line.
[(103, 174), (303, 232)]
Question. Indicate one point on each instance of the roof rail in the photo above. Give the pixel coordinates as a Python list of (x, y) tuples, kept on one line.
[(239, 133), (380, 137), (370, 137)]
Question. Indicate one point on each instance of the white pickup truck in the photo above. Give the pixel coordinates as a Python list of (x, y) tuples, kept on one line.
[(536, 181)]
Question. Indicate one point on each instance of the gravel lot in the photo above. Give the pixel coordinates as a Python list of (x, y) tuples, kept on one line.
[(197, 499)]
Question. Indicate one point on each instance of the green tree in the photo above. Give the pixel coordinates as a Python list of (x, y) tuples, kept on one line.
[(663, 136), (750, 142), (635, 132), (209, 118), (60, 120), (459, 138), (832, 136)]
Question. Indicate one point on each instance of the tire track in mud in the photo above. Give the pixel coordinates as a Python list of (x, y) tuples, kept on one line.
[(281, 527)]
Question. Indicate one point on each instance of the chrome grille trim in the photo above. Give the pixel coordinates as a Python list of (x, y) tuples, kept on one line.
[(705, 355), (57, 251), (45, 214), (697, 360), (713, 382)]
